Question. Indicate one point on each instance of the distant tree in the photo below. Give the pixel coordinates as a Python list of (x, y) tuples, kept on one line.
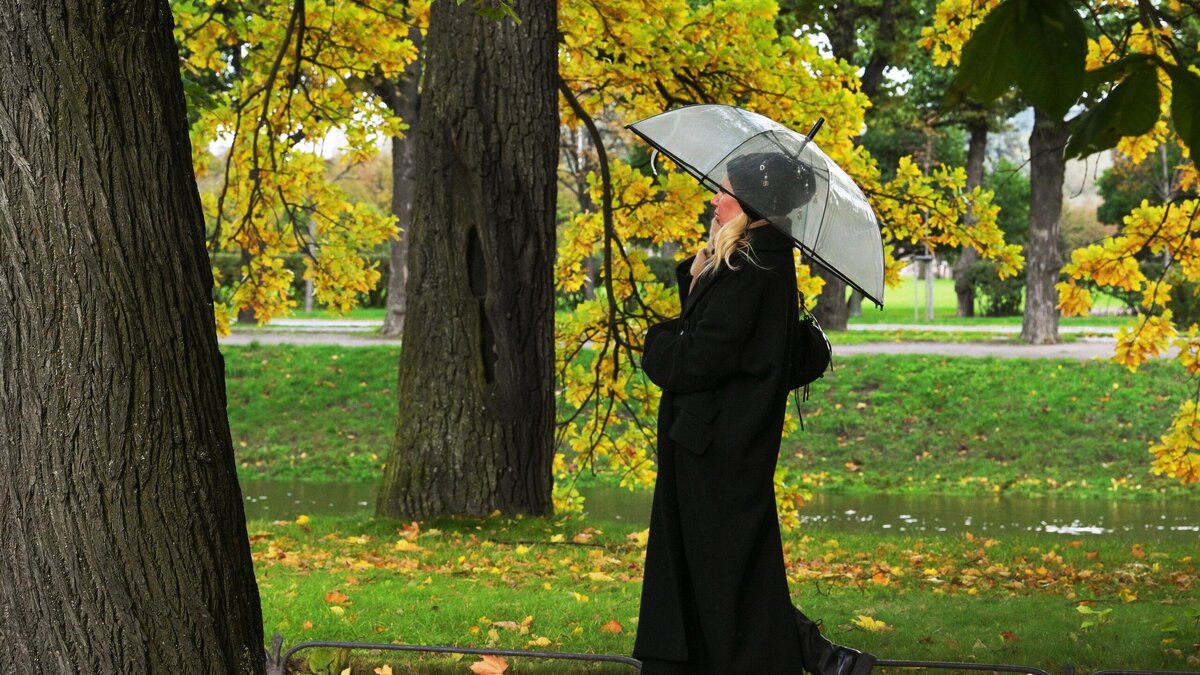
[(1122, 61), (273, 79), (123, 543)]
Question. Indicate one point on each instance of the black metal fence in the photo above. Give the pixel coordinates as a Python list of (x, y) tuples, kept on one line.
[(277, 659)]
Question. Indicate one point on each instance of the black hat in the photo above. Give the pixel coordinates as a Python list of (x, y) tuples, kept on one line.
[(770, 184)]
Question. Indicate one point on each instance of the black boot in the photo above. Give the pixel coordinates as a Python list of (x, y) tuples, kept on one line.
[(822, 657)]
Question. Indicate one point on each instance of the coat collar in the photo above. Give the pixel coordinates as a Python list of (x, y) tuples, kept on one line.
[(769, 238), (764, 238)]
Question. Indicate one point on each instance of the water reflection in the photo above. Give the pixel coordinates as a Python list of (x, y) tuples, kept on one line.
[(1174, 520)]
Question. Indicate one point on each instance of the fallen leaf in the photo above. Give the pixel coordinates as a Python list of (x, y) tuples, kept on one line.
[(385, 669), (410, 531), (613, 626), (303, 520), (1009, 636), (540, 641), (490, 665), (870, 624), (337, 598)]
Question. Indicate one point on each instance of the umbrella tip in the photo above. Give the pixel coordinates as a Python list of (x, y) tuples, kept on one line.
[(816, 128)]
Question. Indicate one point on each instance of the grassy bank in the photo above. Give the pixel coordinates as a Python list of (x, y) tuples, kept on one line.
[(890, 423), (560, 586)]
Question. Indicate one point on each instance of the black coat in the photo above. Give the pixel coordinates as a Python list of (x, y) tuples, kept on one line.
[(715, 593)]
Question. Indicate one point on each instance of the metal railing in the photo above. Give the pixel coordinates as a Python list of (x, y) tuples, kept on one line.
[(277, 662), (277, 659)]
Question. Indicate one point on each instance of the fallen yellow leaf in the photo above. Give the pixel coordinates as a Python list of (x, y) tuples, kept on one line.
[(871, 624)]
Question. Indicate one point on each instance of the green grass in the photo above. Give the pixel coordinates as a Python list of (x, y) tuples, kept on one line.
[(311, 412), (944, 597), (915, 423), (356, 314), (899, 302), (910, 423)]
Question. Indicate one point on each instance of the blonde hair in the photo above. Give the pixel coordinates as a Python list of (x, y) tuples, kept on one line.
[(731, 239)]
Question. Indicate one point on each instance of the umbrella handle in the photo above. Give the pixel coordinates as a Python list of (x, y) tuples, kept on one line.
[(653, 169)]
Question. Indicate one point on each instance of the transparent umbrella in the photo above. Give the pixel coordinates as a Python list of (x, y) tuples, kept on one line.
[(781, 175)]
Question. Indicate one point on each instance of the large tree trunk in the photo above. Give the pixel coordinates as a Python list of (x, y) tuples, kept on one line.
[(476, 396), (976, 150), (832, 310), (404, 99), (123, 544), (1042, 258)]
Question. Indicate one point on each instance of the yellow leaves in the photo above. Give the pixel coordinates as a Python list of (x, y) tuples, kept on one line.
[(1073, 300), (639, 538), (407, 546), (579, 597), (871, 624), (1177, 454), (276, 185), (953, 23), (1146, 340), (302, 520)]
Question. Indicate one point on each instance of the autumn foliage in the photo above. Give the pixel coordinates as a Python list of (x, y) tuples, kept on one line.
[(272, 80), (625, 60), (1141, 86)]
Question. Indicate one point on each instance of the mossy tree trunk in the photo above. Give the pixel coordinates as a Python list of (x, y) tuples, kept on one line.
[(476, 380), (123, 544)]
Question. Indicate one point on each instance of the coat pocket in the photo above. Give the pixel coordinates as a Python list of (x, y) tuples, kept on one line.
[(694, 416)]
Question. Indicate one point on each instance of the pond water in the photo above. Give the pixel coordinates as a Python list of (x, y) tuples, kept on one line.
[(1145, 520)]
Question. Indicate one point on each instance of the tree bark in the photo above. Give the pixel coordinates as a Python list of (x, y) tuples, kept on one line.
[(476, 396), (832, 310), (976, 150), (123, 544), (1042, 258), (404, 99)]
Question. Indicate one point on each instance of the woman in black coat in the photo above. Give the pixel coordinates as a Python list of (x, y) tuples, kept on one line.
[(715, 596)]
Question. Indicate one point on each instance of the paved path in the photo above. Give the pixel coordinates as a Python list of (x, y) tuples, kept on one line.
[(1083, 349), (363, 335), (1014, 329)]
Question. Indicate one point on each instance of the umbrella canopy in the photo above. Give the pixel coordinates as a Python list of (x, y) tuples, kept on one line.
[(782, 176)]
